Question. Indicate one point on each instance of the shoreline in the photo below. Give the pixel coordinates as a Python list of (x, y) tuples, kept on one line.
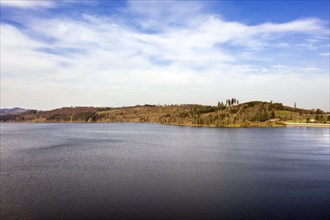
[(308, 125), (285, 124)]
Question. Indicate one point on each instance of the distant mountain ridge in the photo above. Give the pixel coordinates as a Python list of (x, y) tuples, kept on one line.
[(12, 111)]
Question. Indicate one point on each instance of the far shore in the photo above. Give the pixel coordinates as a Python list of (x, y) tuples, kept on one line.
[(285, 124), (311, 125)]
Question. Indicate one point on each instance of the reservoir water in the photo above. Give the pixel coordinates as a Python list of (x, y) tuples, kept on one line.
[(149, 171)]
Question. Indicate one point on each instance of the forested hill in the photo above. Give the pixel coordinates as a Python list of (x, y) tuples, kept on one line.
[(231, 114)]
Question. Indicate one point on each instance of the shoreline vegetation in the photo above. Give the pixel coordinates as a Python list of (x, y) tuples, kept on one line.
[(230, 114), (311, 125)]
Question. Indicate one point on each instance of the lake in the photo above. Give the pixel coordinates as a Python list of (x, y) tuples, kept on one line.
[(150, 171)]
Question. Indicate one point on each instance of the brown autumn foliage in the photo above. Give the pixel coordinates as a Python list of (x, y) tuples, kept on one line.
[(250, 114)]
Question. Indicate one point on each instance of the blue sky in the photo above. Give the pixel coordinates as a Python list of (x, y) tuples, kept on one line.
[(120, 53)]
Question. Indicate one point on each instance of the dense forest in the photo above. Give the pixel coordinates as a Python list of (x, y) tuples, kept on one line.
[(225, 114)]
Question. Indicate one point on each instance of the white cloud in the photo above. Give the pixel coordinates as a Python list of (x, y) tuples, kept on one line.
[(29, 4), (161, 15), (307, 25), (325, 54), (21, 58)]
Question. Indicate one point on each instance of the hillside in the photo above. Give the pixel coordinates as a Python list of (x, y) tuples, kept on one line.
[(250, 114)]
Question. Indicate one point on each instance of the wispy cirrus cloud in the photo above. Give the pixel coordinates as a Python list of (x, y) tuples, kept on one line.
[(29, 4), (155, 52), (325, 54)]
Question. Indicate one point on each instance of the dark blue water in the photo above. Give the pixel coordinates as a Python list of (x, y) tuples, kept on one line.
[(147, 171)]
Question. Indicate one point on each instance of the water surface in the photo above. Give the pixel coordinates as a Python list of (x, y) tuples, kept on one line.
[(144, 171)]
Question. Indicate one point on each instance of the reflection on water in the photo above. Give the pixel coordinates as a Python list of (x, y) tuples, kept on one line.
[(148, 171)]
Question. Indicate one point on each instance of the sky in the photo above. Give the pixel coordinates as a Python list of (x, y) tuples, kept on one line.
[(122, 53)]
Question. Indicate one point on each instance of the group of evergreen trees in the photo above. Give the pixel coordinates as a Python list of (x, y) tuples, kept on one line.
[(229, 103)]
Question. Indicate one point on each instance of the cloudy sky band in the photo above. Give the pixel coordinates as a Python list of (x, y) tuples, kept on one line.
[(157, 52)]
